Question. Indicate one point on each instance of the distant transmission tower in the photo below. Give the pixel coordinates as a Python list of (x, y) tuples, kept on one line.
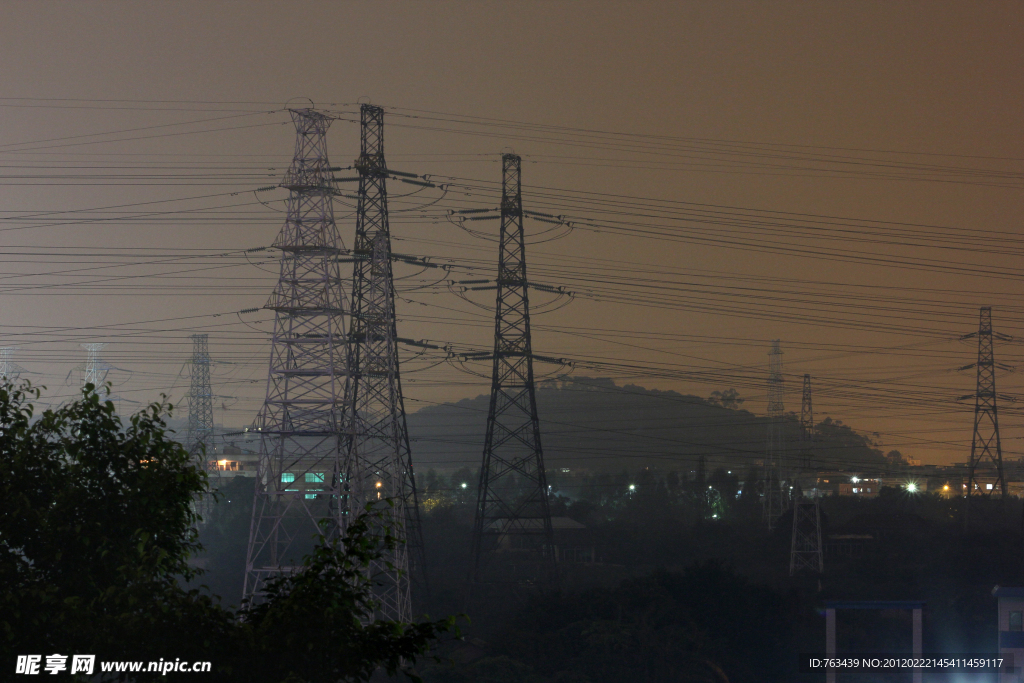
[(302, 423), (986, 450), (806, 424), (199, 433), (94, 371), (805, 547), (775, 501), (512, 516), (380, 461), (8, 369)]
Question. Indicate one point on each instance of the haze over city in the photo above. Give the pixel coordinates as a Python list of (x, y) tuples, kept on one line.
[(726, 208)]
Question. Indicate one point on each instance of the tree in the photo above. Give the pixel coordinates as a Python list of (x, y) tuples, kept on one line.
[(96, 531)]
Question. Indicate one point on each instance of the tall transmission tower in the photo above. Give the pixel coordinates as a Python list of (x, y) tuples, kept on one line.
[(380, 460), (775, 500), (199, 433), (805, 546), (985, 470), (9, 370), (302, 424), (806, 425), (512, 514), (94, 371)]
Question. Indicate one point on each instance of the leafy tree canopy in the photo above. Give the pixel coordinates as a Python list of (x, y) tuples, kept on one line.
[(96, 531)]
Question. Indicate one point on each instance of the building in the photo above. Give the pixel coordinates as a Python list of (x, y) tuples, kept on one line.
[(1010, 622)]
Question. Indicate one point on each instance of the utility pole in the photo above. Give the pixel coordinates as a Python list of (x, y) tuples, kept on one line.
[(986, 449), (199, 433), (805, 545), (380, 464), (303, 424), (775, 500), (512, 511)]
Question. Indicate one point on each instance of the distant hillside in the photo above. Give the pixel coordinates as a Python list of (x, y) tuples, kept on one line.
[(593, 424)]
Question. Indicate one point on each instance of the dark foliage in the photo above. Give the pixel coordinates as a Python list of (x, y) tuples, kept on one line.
[(96, 532)]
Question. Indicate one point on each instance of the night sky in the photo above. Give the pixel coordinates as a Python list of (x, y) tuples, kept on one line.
[(845, 177)]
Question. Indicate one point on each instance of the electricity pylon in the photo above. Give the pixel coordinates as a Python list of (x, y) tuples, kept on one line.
[(513, 518), (199, 432), (302, 425), (986, 449), (805, 546), (806, 424), (775, 500), (94, 371), (379, 466), (9, 370)]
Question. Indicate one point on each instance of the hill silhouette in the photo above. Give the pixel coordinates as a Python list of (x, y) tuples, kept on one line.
[(594, 424)]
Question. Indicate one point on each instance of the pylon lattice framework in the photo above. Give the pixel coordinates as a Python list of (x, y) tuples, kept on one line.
[(806, 424), (8, 369), (805, 545), (986, 449), (512, 504), (380, 461), (806, 549), (199, 432), (94, 371), (302, 425), (775, 500)]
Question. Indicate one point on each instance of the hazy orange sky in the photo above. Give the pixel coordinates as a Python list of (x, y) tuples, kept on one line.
[(846, 177)]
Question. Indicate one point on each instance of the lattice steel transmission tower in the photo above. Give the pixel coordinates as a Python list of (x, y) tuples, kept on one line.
[(302, 425), (986, 449), (380, 460), (9, 370), (805, 548), (199, 433), (513, 518), (806, 425), (94, 371), (776, 500)]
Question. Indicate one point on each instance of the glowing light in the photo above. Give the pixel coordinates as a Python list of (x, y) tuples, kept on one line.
[(946, 487), (912, 487), (379, 484), (855, 479), (632, 487), (464, 484)]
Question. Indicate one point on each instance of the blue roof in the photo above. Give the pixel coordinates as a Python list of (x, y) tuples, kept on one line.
[(1008, 592), (874, 604)]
